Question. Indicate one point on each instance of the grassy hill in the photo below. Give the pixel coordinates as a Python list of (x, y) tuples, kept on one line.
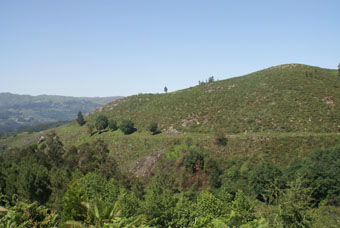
[(22, 110), (285, 98)]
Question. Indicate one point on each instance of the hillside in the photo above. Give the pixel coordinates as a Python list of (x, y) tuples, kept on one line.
[(19, 110), (261, 150), (285, 98), (276, 114)]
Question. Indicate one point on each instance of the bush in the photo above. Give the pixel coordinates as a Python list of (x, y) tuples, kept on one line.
[(194, 161), (264, 180), (113, 125), (127, 127), (153, 128), (101, 122), (221, 139)]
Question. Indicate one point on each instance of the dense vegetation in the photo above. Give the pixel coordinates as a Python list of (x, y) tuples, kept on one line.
[(24, 110), (180, 160), (48, 185)]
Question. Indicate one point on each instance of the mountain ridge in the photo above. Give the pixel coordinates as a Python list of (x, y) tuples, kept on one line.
[(26, 110)]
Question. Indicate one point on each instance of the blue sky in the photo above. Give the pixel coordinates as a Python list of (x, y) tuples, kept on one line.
[(125, 47)]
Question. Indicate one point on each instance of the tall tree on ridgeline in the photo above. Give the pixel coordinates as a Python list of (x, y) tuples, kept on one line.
[(80, 119)]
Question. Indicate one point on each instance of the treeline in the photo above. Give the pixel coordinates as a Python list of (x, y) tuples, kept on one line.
[(48, 185), (102, 123)]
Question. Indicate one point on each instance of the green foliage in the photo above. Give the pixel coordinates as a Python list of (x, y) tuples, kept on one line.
[(73, 209), (128, 203), (89, 128), (212, 169), (92, 155), (182, 215), (153, 128), (93, 188), (54, 150), (80, 119), (294, 206), (113, 125), (132, 222), (160, 202), (321, 171), (127, 127), (242, 210), (194, 161), (33, 181), (101, 122), (28, 215), (208, 206), (264, 179), (59, 179)]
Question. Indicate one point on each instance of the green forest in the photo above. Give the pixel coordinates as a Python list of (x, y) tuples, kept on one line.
[(47, 185)]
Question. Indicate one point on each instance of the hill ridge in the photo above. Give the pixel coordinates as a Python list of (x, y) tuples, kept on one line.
[(289, 97)]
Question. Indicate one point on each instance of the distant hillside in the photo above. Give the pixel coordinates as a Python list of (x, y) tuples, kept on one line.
[(285, 98), (19, 110)]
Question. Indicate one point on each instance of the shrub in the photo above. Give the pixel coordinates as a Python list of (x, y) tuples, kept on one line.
[(221, 139), (194, 161), (264, 180), (153, 128), (127, 127), (101, 122), (113, 125)]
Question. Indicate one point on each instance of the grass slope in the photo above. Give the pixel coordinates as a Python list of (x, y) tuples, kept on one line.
[(286, 98)]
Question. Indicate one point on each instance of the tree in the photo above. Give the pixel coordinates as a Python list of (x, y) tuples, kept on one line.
[(113, 125), (264, 179), (93, 189), (80, 119), (89, 128), (92, 155), (153, 128), (321, 172), (127, 127), (294, 206), (33, 181), (101, 122), (211, 79), (165, 89), (339, 69), (54, 150)]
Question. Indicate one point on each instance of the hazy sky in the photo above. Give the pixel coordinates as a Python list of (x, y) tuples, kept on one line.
[(125, 47)]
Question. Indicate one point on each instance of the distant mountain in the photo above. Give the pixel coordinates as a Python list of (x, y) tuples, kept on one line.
[(25, 110)]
